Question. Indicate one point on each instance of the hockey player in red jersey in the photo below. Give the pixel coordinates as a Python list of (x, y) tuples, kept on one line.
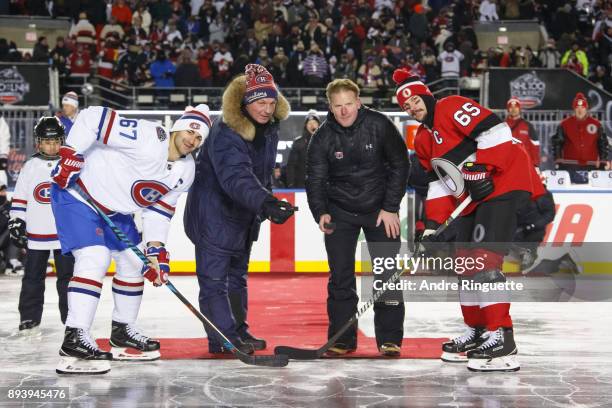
[(499, 178)]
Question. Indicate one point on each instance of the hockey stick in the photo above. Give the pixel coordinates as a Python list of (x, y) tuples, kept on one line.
[(452, 174), (307, 354), (277, 360)]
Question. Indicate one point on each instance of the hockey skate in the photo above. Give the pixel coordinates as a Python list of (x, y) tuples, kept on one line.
[(497, 353), (130, 345), (455, 351), (30, 328), (81, 355), (15, 268)]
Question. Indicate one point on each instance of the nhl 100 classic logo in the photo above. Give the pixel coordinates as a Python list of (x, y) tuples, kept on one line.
[(529, 89), (13, 86)]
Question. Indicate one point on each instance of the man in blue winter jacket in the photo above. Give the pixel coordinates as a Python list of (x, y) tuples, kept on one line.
[(230, 197)]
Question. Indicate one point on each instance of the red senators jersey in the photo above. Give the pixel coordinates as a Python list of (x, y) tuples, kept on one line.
[(465, 131), (581, 140), (524, 131)]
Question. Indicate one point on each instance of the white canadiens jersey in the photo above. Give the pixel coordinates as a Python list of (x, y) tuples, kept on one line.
[(32, 203), (127, 170)]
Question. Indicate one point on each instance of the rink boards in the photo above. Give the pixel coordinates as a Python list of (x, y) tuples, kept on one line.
[(297, 246)]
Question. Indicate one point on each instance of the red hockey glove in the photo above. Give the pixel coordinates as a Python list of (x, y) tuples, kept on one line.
[(478, 180), (68, 169), (159, 268)]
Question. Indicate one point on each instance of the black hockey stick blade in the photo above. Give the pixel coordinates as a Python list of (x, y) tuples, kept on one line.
[(266, 361), (298, 353), (277, 360), (309, 354)]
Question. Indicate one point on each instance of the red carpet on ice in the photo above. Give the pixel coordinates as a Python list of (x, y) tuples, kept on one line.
[(291, 311)]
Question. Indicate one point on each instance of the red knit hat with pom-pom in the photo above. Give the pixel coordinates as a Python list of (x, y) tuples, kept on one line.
[(259, 84), (580, 100), (408, 85)]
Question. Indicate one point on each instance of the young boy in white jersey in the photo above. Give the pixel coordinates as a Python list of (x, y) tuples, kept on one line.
[(124, 165), (32, 226)]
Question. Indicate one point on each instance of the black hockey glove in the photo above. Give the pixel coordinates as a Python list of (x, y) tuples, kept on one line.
[(276, 210), (425, 241), (17, 232), (525, 229), (478, 180)]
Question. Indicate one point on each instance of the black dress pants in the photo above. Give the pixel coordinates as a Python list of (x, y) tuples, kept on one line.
[(341, 289)]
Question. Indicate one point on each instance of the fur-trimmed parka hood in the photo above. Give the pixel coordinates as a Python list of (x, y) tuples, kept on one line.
[(232, 112)]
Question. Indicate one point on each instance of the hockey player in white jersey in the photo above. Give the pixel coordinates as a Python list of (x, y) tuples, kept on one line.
[(32, 226), (125, 165)]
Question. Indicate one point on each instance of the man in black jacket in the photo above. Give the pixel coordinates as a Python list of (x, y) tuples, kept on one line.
[(356, 173), (296, 164)]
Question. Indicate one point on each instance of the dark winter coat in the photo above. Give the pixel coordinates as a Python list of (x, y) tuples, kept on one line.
[(361, 169), (296, 163), (233, 177)]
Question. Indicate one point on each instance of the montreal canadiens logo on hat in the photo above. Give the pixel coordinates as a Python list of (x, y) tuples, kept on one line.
[(194, 126), (261, 79), (42, 193), (147, 192)]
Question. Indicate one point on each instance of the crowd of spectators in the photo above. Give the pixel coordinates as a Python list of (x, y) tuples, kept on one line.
[(162, 43)]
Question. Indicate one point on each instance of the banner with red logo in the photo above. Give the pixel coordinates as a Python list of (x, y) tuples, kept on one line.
[(24, 84)]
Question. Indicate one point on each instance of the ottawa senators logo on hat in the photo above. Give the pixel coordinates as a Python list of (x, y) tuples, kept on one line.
[(406, 93)]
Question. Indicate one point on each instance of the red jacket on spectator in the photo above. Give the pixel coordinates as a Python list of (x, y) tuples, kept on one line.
[(505, 60), (580, 140), (575, 66), (157, 35), (107, 61), (123, 13), (524, 131), (79, 61), (357, 29)]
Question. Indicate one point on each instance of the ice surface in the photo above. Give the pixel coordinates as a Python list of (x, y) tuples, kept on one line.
[(564, 348)]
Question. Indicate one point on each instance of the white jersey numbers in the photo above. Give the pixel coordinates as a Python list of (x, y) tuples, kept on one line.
[(129, 128), (464, 115)]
